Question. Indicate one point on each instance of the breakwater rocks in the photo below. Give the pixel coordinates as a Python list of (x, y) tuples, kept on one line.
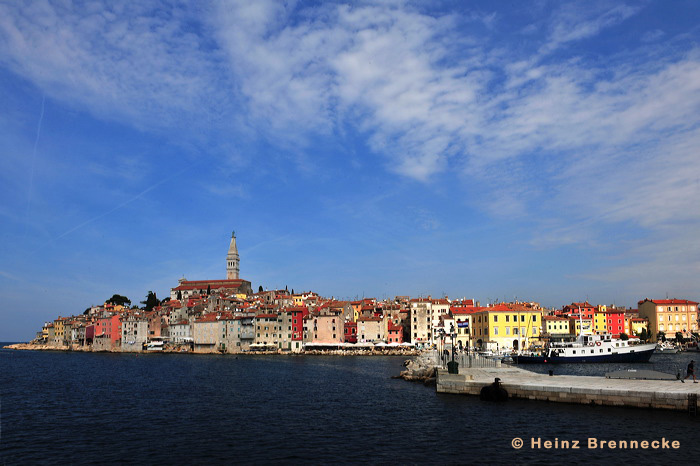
[(186, 349), (33, 347), (421, 369)]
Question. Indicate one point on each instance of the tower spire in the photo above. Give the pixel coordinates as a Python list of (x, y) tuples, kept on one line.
[(233, 260)]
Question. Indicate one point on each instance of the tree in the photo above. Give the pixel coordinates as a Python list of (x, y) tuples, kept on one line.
[(643, 335), (260, 289), (85, 312), (624, 336), (208, 290), (179, 295), (150, 302), (119, 300)]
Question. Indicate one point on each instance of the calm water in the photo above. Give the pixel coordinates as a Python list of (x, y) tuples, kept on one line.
[(76, 408)]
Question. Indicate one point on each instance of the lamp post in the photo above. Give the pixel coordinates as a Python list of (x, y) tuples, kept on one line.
[(441, 349)]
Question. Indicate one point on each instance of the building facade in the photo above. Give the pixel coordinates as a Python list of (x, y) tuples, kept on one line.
[(670, 316)]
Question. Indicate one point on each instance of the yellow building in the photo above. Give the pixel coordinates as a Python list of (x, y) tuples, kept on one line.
[(59, 334), (600, 322), (634, 325), (579, 326), (501, 328), (463, 325), (670, 316), (552, 325)]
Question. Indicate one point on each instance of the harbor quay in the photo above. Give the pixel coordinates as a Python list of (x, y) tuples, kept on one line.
[(588, 390)]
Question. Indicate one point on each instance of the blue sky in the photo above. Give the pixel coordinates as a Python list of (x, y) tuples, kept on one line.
[(541, 150)]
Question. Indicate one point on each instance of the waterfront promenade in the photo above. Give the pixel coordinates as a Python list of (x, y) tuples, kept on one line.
[(523, 384)]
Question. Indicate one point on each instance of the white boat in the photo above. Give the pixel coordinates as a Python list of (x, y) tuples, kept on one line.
[(155, 345), (667, 348), (590, 348)]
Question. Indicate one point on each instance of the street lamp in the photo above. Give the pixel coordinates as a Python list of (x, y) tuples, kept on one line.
[(441, 333)]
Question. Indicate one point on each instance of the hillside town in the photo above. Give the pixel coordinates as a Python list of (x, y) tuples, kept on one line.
[(226, 316)]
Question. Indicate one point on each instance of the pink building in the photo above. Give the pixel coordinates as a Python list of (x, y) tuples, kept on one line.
[(394, 333), (109, 327)]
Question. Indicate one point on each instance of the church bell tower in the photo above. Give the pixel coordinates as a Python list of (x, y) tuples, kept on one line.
[(233, 266)]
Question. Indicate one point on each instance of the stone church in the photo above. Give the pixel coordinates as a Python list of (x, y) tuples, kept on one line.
[(232, 283)]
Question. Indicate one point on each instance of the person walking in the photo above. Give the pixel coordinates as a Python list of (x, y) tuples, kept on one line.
[(691, 371)]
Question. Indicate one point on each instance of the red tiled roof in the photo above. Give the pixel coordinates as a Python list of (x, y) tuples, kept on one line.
[(669, 301), (211, 317), (295, 309), (465, 309)]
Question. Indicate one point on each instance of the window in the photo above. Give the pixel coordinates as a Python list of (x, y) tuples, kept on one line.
[(507, 318), (507, 330), (522, 318), (495, 330), (515, 330)]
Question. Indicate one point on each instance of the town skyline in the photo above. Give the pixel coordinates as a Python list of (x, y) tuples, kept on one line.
[(540, 152)]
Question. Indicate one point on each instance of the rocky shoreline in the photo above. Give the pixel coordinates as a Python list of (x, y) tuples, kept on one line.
[(186, 350), (421, 369)]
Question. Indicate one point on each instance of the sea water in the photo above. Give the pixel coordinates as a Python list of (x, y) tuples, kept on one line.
[(90, 408)]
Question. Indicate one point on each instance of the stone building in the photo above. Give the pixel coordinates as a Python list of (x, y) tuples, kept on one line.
[(207, 333), (232, 285), (134, 331), (233, 261), (421, 325), (371, 329)]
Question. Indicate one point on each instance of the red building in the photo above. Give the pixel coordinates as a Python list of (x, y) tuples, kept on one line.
[(350, 332), (585, 308), (297, 315), (615, 320), (394, 332)]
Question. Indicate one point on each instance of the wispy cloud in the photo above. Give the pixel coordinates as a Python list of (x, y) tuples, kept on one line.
[(137, 62), (575, 144)]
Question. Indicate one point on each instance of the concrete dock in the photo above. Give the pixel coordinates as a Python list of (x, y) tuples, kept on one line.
[(523, 384)]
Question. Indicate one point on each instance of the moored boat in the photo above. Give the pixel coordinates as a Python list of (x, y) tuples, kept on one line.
[(589, 349), (155, 344), (667, 348)]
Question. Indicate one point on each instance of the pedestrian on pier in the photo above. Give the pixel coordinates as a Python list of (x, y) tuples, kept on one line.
[(691, 371)]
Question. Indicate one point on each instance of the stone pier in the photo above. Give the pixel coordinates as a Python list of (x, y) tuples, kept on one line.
[(523, 384)]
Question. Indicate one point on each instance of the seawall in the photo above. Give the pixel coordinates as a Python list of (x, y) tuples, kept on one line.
[(523, 384)]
